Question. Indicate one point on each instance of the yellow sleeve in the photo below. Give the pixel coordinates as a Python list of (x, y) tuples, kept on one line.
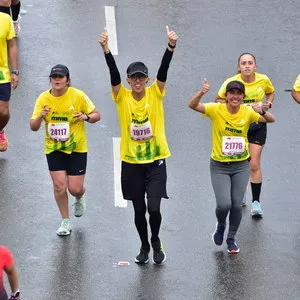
[(37, 108), (210, 109), (296, 86), (120, 95), (269, 86), (88, 105)]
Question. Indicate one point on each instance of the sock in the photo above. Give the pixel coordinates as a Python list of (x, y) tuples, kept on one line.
[(15, 11), (256, 188)]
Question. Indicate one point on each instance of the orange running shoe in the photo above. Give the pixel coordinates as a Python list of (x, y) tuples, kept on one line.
[(3, 142)]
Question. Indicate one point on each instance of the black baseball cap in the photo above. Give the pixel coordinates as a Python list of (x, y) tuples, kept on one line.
[(60, 70), (137, 67), (235, 85)]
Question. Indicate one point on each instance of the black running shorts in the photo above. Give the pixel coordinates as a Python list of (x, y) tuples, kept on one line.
[(258, 135), (138, 179), (73, 164)]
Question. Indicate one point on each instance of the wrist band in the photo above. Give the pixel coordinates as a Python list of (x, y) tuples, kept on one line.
[(172, 47), (88, 117), (263, 113)]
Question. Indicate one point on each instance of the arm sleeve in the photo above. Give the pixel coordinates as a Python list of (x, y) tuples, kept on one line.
[(164, 66), (115, 77)]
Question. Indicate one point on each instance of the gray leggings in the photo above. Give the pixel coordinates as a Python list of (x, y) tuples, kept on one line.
[(229, 181)]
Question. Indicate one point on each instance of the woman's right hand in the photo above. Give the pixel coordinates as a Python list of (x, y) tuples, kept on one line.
[(205, 87), (45, 111)]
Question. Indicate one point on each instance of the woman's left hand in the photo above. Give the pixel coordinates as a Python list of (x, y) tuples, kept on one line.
[(173, 37), (257, 107), (80, 116)]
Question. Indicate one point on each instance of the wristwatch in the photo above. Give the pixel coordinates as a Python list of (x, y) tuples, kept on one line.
[(88, 117), (16, 72)]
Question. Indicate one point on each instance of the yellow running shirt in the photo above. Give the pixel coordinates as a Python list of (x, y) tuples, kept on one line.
[(254, 91), (229, 131), (296, 86), (6, 33), (143, 138), (62, 131)]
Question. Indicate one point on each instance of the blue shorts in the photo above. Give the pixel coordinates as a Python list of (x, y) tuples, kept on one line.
[(74, 163), (5, 91)]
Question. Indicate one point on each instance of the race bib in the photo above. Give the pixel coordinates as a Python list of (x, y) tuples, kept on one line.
[(141, 132), (59, 132), (233, 145)]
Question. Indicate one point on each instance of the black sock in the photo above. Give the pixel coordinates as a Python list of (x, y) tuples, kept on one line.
[(256, 188), (5, 9), (15, 11)]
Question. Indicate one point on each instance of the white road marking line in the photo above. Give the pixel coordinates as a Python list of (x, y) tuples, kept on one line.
[(111, 28), (119, 201)]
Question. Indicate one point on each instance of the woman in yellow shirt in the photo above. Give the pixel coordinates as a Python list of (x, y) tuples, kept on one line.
[(296, 90), (257, 87), (229, 164), (65, 110)]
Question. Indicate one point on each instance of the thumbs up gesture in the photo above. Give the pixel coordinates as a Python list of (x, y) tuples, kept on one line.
[(103, 39), (172, 36), (205, 87)]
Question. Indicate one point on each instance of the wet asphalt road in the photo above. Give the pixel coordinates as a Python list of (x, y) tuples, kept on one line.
[(82, 266)]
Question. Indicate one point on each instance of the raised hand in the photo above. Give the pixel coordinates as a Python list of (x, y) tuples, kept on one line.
[(205, 87), (172, 36), (103, 39)]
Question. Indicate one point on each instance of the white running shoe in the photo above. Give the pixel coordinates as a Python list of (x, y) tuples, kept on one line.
[(65, 227), (79, 207)]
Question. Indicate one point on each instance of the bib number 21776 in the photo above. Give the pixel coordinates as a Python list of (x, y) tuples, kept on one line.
[(233, 145)]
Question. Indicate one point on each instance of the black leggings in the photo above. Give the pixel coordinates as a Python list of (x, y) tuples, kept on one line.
[(153, 205)]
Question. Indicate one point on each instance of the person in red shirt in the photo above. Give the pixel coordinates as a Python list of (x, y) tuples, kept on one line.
[(7, 264)]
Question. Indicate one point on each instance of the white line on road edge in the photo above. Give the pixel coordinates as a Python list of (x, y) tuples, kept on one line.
[(119, 201), (111, 28)]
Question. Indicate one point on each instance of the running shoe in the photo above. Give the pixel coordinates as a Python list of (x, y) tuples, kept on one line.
[(159, 256), (3, 141), (218, 235), (17, 26), (79, 207), (65, 227), (256, 210), (232, 247), (143, 256)]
